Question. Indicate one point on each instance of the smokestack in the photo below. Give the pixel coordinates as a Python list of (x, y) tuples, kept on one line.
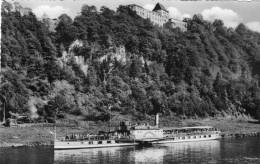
[(157, 120)]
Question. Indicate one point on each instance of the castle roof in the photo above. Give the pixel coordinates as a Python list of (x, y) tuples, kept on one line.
[(131, 5), (159, 6)]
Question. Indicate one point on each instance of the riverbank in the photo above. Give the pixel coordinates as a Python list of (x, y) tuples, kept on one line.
[(17, 137), (32, 136)]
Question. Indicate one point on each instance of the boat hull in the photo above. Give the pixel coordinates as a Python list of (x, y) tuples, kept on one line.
[(62, 145)]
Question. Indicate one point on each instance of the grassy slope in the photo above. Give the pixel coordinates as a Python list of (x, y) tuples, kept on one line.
[(24, 136)]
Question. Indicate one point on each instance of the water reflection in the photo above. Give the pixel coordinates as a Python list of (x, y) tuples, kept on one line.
[(197, 152), (149, 155), (95, 155), (166, 153), (242, 151)]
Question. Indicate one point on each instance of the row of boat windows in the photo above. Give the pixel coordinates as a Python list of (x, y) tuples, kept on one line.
[(189, 137), (98, 142), (193, 137), (175, 131)]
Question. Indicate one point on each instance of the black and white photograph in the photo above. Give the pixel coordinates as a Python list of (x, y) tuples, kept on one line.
[(130, 82)]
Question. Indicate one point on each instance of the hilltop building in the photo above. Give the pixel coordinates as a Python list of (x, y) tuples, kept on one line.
[(158, 16)]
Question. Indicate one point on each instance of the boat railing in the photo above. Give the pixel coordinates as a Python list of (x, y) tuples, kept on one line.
[(192, 133)]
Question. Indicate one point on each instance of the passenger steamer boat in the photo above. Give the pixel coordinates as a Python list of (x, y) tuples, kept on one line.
[(128, 135)]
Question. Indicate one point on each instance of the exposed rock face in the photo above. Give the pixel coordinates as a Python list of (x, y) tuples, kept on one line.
[(82, 63), (114, 53), (70, 55)]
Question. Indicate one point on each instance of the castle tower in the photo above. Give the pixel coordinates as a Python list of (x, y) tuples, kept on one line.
[(163, 14), (159, 8)]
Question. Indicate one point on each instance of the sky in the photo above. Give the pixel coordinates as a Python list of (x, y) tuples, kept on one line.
[(231, 12)]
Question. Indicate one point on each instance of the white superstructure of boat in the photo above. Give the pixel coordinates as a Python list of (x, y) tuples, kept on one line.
[(189, 134)]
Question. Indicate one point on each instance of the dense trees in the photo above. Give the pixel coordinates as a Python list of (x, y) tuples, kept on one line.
[(206, 71)]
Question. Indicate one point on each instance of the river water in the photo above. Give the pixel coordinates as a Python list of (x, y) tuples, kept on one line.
[(215, 151)]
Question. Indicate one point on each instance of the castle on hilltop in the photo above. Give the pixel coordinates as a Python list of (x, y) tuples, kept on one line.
[(158, 16)]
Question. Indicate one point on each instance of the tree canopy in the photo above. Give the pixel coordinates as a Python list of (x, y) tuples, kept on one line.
[(115, 58)]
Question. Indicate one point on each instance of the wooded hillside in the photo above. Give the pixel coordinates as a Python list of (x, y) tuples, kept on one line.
[(107, 61)]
